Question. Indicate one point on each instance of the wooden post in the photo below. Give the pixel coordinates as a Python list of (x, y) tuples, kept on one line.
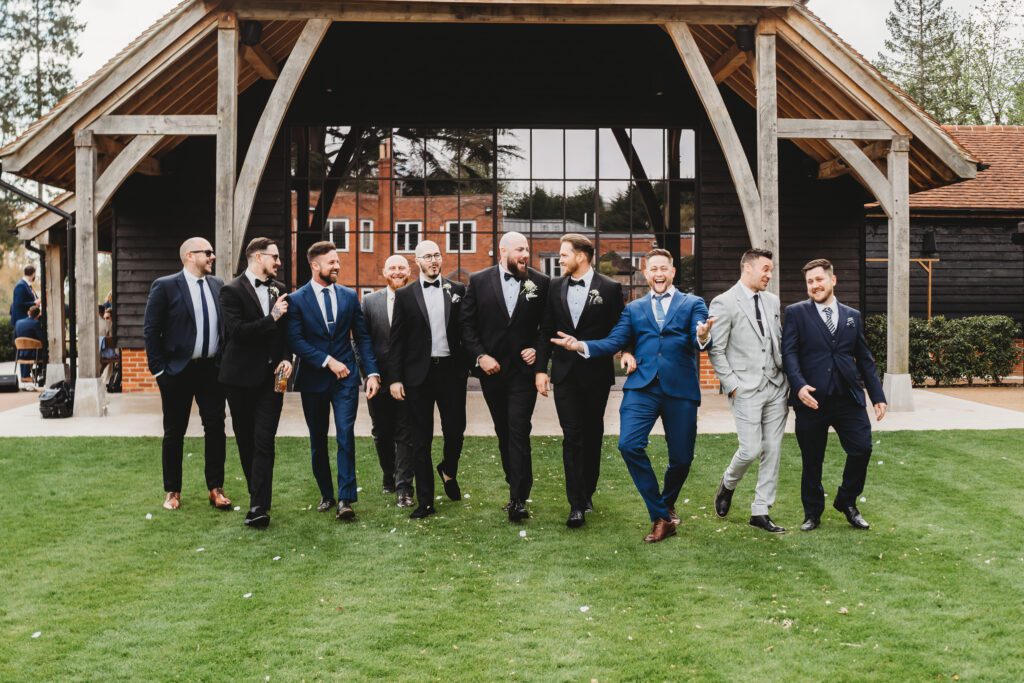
[(53, 307), (897, 381), (768, 144), (90, 397), (227, 144)]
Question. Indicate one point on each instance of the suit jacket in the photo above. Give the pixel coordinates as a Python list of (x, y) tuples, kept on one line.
[(744, 359), (669, 354), (487, 327), (31, 329), (409, 361), (253, 342), (812, 355), (600, 313), (375, 312), (169, 325), (23, 299), (309, 338)]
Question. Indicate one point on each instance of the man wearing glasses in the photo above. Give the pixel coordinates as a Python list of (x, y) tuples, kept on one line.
[(182, 330), (426, 366), (254, 305)]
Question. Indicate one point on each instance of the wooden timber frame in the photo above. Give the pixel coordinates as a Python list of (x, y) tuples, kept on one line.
[(858, 125)]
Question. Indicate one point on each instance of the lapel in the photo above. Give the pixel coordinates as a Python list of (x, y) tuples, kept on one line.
[(741, 302), (314, 308), (563, 295), (820, 324), (417, 292), (646, 307), (674, 305), (187, 296), (595, 284), (499, 292), (446, 296), (841, 317), (337, 309), (247, 286)]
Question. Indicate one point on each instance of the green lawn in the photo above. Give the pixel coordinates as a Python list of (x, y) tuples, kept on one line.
[(934, 591)]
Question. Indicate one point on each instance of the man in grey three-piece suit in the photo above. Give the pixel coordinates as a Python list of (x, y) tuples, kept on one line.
[(747, 357), (391, 431)]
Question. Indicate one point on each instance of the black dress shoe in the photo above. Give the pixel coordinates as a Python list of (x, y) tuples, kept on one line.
[(576, 519), (517, 511), (765, 522), (388, 490), (723, 499), (810, 524), (405, 499), (257, 519), (421, 512), (451, 486), (590, 505), (345, 511), (853, 516), (326, 504)]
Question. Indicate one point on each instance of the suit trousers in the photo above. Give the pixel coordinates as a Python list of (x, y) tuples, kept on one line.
[(581, 415), (343, 397), (198, 381), (760, 423), (392, 438), (511, 400), (255, 414), (850, 420), (638, 412), (448, 392)]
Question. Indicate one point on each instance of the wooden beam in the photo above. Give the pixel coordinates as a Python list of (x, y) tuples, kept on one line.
[(897, 371), (53, 303), (108, 148), (752, 63), (724, 66), (866, 172), (643, 185), (169, 124), (270, 123), (768, 146), (227, 146), (261, 62), (833, 168), (85, 256), (735, 157), (123, 165), (829, 129), (338, 171)]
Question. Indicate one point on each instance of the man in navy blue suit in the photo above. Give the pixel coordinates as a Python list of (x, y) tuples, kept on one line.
[(24, 295), (28, 328), (829, 366), (324, 319), (666, 328), (183, 332)]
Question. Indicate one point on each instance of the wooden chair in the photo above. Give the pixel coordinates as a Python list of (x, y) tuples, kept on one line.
[(28, 344)]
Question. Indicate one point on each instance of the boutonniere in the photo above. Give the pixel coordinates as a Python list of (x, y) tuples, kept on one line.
[(595, 297), (447, 287), (274, 293), (529, 290)]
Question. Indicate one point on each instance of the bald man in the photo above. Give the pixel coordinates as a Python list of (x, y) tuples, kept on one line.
[(183, 333), (501, 317), (391, 435)]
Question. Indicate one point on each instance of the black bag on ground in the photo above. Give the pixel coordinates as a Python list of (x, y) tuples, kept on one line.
[(58, 400)]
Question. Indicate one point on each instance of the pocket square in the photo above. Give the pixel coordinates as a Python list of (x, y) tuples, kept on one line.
[(850, 322)]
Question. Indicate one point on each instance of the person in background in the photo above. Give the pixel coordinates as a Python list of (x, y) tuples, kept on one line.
[(28, 327), (24, 295)]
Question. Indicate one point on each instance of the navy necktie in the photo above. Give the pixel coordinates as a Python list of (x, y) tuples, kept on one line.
[(757, 312), (659, 310), (206, 318), (328, 307)]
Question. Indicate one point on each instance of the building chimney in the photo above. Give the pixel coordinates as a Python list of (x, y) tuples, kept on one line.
[(384, 187)]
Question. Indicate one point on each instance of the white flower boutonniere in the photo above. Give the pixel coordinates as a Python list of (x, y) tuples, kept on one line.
[(529, 289), (274, 294), (595, 297), (448, 288)]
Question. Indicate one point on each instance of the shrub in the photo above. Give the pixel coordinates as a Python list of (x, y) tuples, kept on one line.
[(6, 340)]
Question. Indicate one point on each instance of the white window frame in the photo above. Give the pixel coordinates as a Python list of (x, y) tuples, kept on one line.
[(460, 225), (551, 266), (637, 262), (332, 231), (365, 291), (365, 230), (419, 235)]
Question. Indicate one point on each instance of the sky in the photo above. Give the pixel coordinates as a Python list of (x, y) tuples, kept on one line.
[(112, 24)]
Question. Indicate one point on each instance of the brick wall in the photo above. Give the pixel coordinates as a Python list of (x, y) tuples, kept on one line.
[(135, 375), (708, 378), (1019, 370)]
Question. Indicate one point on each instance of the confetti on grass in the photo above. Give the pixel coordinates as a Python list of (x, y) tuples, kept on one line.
[(149, 515), (522, 533), (585, 608), (37, 634), (247, 595)]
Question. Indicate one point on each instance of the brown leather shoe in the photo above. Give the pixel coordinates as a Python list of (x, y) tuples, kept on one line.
[(219, 500), (673, 517), (661, 530), (172, 501), (345, 512)]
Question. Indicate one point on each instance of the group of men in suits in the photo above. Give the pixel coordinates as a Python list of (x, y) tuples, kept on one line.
[(421, 337)]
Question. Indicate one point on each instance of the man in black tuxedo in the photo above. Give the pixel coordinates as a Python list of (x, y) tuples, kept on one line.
[(829, 365), (391, 432), (500, 319), (183, 333), (255, 351), (427, 366), (587, 305)]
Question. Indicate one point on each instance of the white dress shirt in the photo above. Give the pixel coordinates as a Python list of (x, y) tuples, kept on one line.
[(834, 305), (262, 293), (197, 306), (391, 305), (576, 297), (434, 299), (510, 288)]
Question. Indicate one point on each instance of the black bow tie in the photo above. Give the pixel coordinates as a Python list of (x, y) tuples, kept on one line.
[(435, 283), (508, 276), (573, 283), (262, 283)]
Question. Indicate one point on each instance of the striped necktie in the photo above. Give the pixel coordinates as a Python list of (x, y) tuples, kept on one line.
[(829, 322)]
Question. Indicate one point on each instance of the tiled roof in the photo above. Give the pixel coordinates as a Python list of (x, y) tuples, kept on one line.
[(999, 187)]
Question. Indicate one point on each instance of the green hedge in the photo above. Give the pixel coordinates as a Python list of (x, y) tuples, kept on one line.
[(948, 351), (6, 340)]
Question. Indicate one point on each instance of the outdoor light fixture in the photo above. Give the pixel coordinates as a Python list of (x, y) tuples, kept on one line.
[(928, 248), (745, 38), (1018, 237), (250, 32)]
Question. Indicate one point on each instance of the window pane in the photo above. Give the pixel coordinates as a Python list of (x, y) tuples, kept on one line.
[(514, 153), (580, 151), (407, 145), (613, 164), (547, 159), (650, 150)]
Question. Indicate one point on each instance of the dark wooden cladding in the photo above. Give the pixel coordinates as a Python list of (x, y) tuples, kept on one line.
[(817, 218), (979, 273)]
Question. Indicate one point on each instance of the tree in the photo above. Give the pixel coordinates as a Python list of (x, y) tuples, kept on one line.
[(991, 40)]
